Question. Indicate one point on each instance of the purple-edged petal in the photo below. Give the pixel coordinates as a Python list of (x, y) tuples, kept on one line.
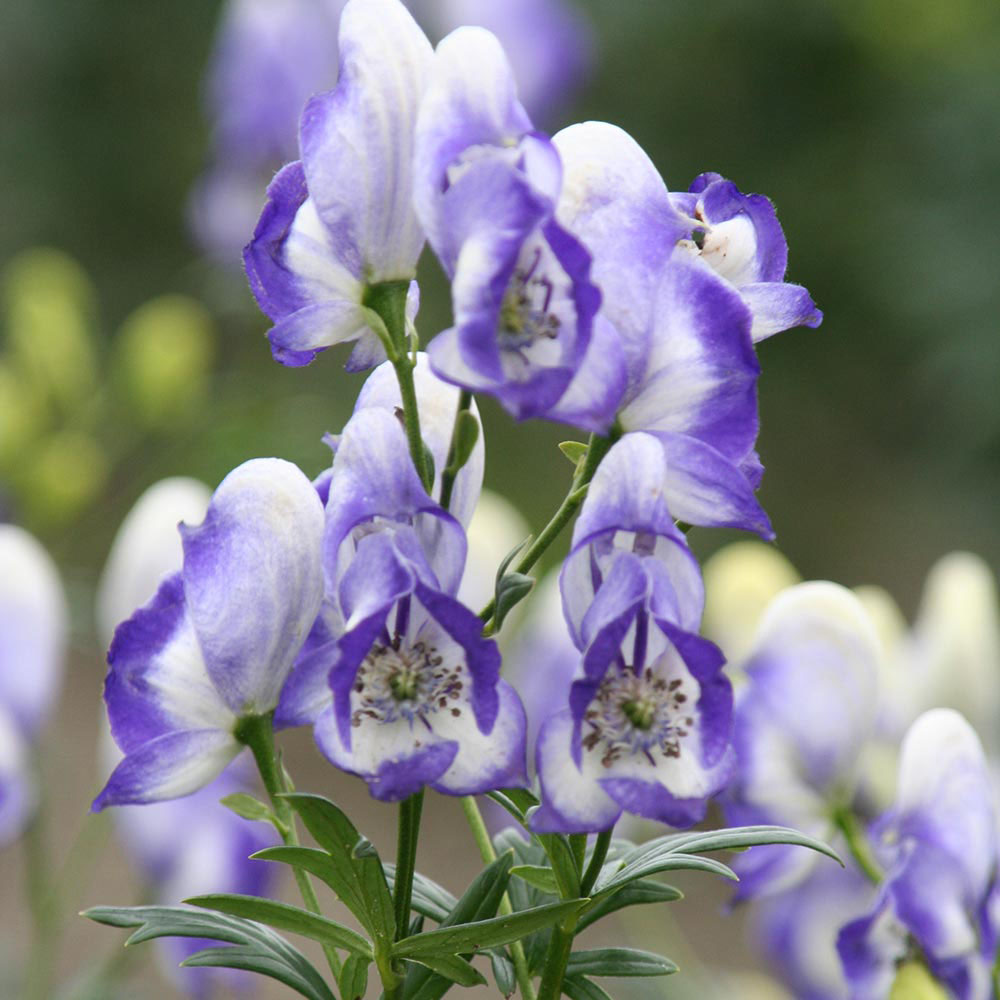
[(778, 306), (357, 141), (486, 761), (147, 548), (374, 483), (615, 201), (168, 767), (522, 297), (437, 403), (33, 626), (704, 487), (573, 800), (701, 372), (595, 392), (626, 510), (470, 112), (253, 579), (158, 682), (744, 241)]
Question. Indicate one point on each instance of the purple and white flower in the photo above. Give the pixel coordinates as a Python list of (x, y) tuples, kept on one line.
[(218, 639), (648, 726), (802, 720), (627, 515), (740, 238), (33, 630), (341, 220), (691, 372), (797, 930), (189, 845), (417, 698), (939, 848), (33, 635), (486, 191)]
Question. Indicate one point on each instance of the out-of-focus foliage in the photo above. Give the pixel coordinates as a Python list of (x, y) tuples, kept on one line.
[(73, 407)]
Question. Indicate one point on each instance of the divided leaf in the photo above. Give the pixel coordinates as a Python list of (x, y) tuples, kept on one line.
[(255, 948), (356, 874), (286, 918)]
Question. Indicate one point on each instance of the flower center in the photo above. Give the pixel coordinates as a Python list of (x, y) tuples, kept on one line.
[(525, 315), (405, 681), (637, 714)]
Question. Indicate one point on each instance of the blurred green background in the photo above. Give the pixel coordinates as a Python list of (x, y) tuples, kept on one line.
[(874, 126)]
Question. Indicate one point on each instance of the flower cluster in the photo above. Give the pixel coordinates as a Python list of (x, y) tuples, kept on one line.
[(832, 684), (583, 291)]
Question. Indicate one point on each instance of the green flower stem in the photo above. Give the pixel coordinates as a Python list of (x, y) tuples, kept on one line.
[(482, 837), (388, 301), (597, 448), (449, 472), (41, 897), (857, 842), (601, 846), (411, 419), (257, 732), (406, 859), (560, 947)]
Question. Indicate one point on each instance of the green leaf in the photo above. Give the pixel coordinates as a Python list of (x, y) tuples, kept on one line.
[(247, 807), (740, 838), (539, 876), (485, 933), (578, 988), (466, 434), (517, 801), (452, 967), (575, 451), (286, 918), (634, 894), (664, 862), (509, 558), (428, 899), (563, 862), (360, 881), (353, 980), (618, 962), (512, 588), (503, 973), (257, 947), (479, 902)]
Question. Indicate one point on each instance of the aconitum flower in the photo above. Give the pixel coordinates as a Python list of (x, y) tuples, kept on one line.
[(341, 221), (33, 627), (218, 639), (797, 930), (648, 727), (486, 189), (802, 720), (417, 698), (626, 515), (194, 844), (691, 372), (739, 236), (939, 848)]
